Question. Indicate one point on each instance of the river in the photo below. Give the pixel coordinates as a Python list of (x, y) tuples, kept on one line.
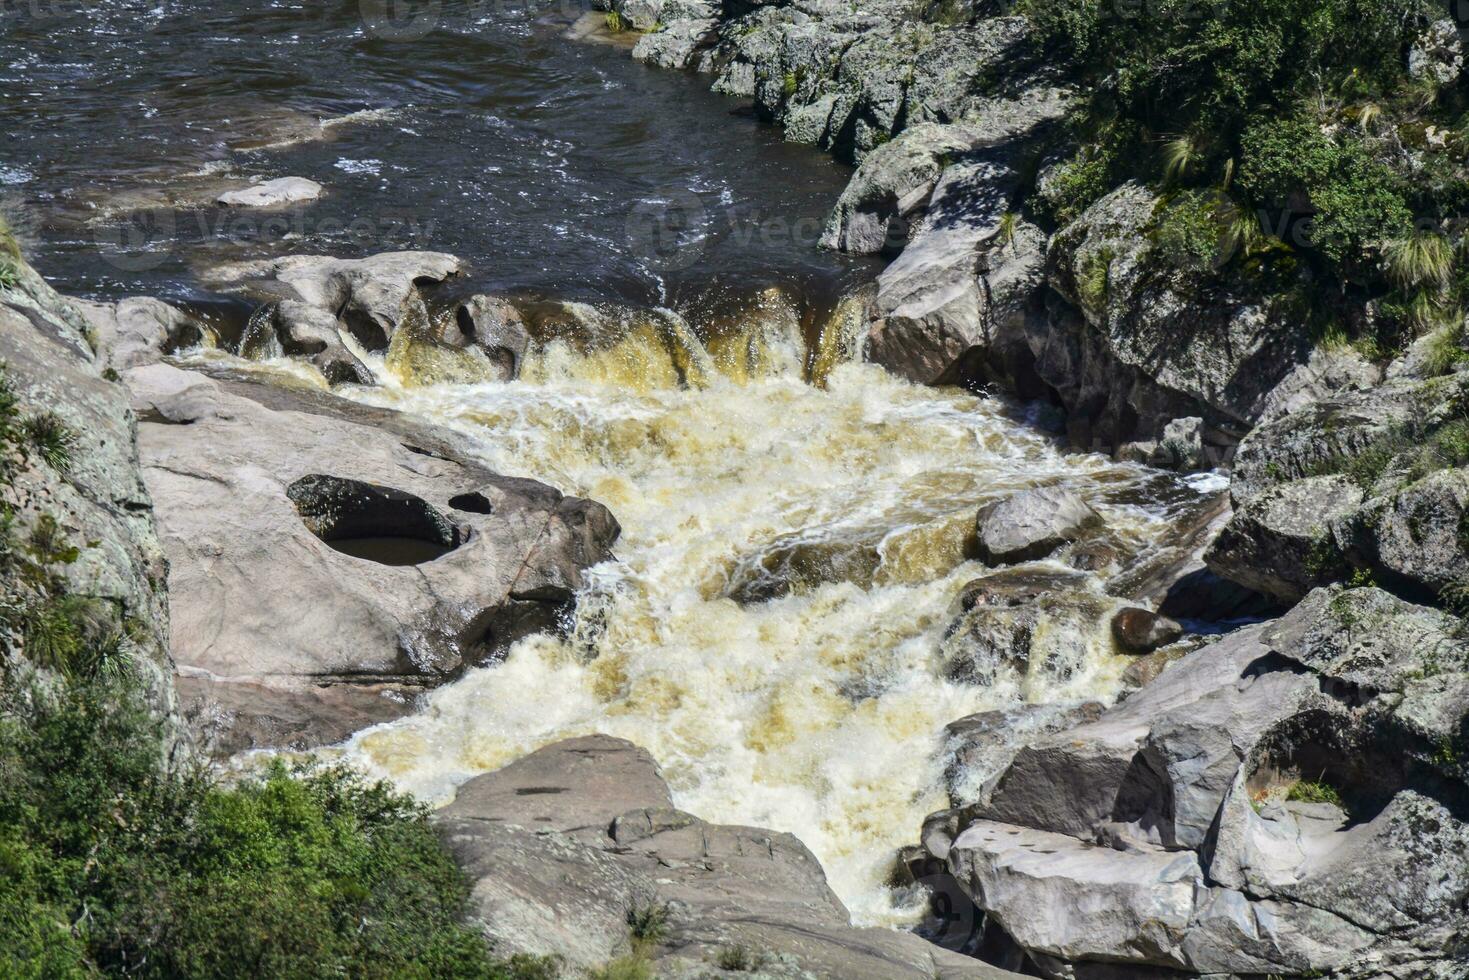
[(794, 520)]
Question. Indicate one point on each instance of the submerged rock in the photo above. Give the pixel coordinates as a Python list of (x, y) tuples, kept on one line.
[(328, 560), (492, 325)]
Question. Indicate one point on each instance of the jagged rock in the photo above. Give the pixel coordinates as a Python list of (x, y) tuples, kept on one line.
[(968, 285), (1039, 626), (1191, 778), (371, 297), (1032, 524), (87, 519), (893, 184), (494, 326), (1280, 542), (1143, 631), (679, 40), (140, 329), (560, 845), (1416, 536), (328, 560), (272, 193), (298, 329)]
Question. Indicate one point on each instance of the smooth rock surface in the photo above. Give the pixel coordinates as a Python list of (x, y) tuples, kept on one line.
[(1032, 524), (272, 193), (283, 638)]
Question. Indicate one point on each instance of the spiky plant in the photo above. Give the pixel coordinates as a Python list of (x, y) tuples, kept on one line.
[(1423, 259), (1181, 155), (52, 438), (1009, 224), (1368, 117), (615, 22)]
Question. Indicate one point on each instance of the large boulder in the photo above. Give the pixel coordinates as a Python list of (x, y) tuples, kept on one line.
[(1280, 542), (1287, 799), (1032, 524), (329, 560), (561, 846)]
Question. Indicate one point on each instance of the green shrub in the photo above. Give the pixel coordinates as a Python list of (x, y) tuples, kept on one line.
[(113, 863), (1188, 232)]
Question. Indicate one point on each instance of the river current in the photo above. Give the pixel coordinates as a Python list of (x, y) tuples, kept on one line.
[(794, 520)]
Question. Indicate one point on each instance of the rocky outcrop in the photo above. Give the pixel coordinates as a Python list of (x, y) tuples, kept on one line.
[(1289, 799), (79, 521), (563, 846), (1371, 483), (329, 560), (371, 298)]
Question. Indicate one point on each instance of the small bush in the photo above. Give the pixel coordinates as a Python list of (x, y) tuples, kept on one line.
[(616, 24), (737, 959), (647, 922)]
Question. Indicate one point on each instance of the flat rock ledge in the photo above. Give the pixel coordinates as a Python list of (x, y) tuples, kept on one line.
[(329, 561), (560, 845)]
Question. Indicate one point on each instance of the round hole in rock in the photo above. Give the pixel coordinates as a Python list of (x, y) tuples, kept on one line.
[(371, 522), (473, 502)]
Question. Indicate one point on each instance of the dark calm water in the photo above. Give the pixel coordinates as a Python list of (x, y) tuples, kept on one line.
[(555, 167)]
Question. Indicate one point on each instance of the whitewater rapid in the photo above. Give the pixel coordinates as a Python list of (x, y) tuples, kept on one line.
[(791, 550)]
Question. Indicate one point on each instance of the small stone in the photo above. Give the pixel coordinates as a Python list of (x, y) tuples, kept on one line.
[(1141, 631)]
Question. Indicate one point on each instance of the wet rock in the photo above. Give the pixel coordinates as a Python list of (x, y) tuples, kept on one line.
[(1142, 631), (560, 845), (686, 28), (494, 326), (140, 329), (298, 329), (328, 561), (1181, 447), (1032, 524), (370, 297), (87, 519), (272, 193), (1036, 626), (1280, 543)]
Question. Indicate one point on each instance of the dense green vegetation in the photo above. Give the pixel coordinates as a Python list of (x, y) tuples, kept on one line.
[(117, 857), (1300, 118), (111, 862)]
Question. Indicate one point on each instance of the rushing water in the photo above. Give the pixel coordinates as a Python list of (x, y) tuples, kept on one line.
[(794, 521)]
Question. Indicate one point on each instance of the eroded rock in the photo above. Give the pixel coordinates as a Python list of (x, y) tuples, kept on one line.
[(328, 561)]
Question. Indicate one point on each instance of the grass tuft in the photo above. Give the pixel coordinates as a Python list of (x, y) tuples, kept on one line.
[(51, 438), (1314, 791)]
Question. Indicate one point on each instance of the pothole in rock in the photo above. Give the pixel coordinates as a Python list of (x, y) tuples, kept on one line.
[(374, 523)]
